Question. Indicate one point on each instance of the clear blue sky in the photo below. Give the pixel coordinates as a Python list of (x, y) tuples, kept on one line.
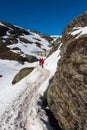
[(46, 16)]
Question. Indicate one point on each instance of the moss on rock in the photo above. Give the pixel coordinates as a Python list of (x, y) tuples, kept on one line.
[(22, 73)]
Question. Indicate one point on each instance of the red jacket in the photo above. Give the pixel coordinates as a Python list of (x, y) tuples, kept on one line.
[(42, 61)]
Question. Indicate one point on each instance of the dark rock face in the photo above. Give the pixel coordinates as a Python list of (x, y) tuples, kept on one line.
[(80, 21), (67, 94)]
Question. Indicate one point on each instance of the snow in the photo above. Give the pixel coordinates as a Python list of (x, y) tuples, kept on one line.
[(55, 37), (5, 36), (2, 24), (75, 28), (19, 87), (23, 97), (51, 62), (8, 70), (80, 31), (30, 48), (36, 38), (27, 49)]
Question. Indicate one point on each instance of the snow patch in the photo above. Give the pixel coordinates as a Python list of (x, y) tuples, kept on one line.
[(81, 31)]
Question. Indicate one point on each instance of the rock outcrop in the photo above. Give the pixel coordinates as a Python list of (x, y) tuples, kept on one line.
[(67, 93)]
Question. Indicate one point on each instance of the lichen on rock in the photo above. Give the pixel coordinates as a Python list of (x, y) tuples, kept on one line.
[(67, 93)]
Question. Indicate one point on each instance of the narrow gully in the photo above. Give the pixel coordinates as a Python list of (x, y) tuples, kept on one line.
[(52, 120)]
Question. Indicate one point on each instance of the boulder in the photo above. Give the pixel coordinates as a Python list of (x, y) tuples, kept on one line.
[(67, 93)]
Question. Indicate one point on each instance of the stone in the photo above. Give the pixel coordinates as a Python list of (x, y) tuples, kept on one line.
[(67, 92)]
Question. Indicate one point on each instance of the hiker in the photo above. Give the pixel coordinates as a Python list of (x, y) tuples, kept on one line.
[(42, 62)]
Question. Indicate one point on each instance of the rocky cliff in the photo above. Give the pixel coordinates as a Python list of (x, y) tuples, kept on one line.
[(67, 94)]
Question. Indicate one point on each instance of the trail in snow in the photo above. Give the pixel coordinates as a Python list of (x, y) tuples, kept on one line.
[(15, 115), (21, 104)]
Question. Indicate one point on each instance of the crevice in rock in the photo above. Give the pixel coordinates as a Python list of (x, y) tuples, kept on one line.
[(52, 120)]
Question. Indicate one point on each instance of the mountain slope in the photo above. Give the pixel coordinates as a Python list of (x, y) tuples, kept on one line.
[(22, 107), (19, 44), (20, 50), (22, 81)]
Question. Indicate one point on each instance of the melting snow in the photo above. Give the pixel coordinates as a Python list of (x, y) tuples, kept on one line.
[(80, 31), (22, 98)]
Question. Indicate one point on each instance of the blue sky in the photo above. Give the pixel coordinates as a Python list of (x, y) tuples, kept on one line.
[(46, 16)]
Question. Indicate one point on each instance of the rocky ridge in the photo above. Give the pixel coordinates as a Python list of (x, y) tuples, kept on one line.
[(67, 94)]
